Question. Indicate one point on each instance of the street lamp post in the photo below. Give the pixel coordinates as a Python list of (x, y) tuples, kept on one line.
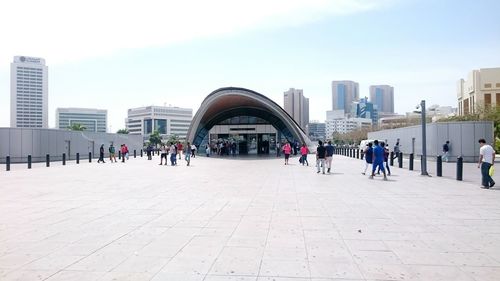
[(424, 140)]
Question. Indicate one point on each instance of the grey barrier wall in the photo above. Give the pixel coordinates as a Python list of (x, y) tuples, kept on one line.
[(463, 137), (18, 143)]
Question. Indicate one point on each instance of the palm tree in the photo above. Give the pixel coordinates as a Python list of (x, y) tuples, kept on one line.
[(77, 127), (122, 131)]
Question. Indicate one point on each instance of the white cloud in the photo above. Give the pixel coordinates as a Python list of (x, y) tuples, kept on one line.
[(64, 30)]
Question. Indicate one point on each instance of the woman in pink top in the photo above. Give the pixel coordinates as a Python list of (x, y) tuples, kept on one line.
[(303, 152), (287, 149)]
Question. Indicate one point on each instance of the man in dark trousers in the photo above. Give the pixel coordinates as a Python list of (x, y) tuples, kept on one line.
[(378, 159)]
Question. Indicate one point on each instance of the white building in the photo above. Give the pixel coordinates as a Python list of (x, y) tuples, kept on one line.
[(167, 120), (382, 96), (343, 94), (481, 89), (94, 120), (346, 125), (28, 93), (297, 106)]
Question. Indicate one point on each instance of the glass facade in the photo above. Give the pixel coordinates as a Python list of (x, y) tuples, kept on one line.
[(341, 96), (148, 126), (161, 126)]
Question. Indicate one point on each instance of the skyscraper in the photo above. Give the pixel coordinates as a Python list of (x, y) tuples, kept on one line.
[(365, 109), (28, 93), (383, 97), (297, 106), (343, 94)]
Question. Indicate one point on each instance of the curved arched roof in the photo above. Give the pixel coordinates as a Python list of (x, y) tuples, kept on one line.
[(229, 102)]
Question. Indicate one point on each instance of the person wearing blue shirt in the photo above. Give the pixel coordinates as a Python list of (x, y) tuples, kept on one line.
[(378, 159)]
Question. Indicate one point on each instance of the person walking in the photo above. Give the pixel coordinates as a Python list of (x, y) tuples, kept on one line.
[(207, 150), (123, 151), (193, 150), (486, 160), (329, 156), (173, 154), (163, 154), (149, 151), (396, 150), (187, 153), (320, 156), (101, 154), (287, 149), (378, 159), (386, 157), (303, 152), (126, 151), (368, 152), (180, 148), (446, 151), (112, 151)]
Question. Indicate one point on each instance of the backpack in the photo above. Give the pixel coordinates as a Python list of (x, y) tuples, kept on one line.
[(445, 147)]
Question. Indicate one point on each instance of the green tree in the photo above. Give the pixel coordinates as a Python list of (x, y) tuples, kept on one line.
[(77, 127), (173, 138), (122, 131), (155, 138)]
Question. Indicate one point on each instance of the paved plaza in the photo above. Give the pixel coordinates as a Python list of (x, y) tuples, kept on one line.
[(243, 219)]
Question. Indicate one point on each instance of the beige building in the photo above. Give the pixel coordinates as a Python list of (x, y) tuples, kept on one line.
[(297, 106), (344, 93), (480, 90), (382, 96)]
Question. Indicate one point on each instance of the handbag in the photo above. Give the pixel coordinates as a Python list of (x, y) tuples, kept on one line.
[(491, 172)]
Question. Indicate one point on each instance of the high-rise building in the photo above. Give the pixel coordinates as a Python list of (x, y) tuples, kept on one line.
[(316, 131), (28, 93), (167, 120), (343, 94), (383, 97), (365, 109), (94, 120), (297, 106), (481, 89)]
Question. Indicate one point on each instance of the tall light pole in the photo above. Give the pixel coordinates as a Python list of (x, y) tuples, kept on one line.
[(424, 140)]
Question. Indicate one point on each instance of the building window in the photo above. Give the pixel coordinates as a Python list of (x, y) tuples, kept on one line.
[(487, 85), (466, 106), (487, 101), (497, 99)]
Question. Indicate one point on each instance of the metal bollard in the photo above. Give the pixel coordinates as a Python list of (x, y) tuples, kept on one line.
[(439, 166), (119, 155), (141, 152), (64, 159), (357, 153), (460, 168), (7, 163), (29, 161), (135, 153), (392, 158), (77, 158), (47, 160), (90, 157), (411, 161), (362, 154), (400, 160)]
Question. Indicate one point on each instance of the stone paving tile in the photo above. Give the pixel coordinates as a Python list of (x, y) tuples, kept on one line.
[(258, 220)]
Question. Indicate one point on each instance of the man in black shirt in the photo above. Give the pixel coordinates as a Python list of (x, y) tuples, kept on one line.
[(320, 156)]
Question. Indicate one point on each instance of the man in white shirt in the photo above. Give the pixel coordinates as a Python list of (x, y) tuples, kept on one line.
[(486, 160)]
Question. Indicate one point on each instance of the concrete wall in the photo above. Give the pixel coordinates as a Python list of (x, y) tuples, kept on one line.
[(18, 143), (463, 137)]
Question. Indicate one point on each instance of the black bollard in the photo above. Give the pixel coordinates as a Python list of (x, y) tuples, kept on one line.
[(29, 161), (47, 160), (411, 161), (135, 153), (357, 153), (64, 159), (119, 155), (392, 158), (439, 168), (141, 152), (7, 163), (362, 154), (460, 168), (77, 158), (90, 157), (400, 160)]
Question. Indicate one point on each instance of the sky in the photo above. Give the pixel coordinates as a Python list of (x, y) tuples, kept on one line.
[(117, 55)]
